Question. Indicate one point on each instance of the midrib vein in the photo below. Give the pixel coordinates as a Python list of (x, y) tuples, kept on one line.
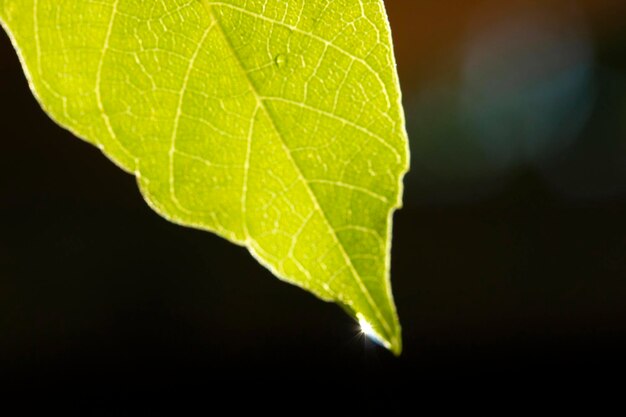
[(261, 104)]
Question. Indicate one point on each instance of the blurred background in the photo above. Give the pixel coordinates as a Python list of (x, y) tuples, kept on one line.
[(509, 258)]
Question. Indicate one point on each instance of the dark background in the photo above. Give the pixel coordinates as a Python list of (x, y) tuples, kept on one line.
[(509, 259)]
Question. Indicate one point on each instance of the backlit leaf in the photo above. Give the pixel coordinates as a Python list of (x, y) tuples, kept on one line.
[(276, 124)]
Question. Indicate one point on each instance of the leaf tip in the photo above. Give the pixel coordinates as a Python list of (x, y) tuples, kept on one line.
[(393, 342)]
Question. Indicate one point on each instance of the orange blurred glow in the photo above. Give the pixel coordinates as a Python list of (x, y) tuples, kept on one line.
[(429, 35)]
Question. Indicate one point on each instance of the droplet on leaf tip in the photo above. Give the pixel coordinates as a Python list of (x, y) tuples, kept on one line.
[(368, 330)]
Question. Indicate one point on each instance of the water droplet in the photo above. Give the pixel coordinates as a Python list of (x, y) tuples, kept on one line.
[(368, 330), (280, 60)]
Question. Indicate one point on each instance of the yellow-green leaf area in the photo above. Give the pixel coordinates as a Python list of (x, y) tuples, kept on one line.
[(276, 124)]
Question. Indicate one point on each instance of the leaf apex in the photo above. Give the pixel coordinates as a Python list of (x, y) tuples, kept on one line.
[(392, 342)]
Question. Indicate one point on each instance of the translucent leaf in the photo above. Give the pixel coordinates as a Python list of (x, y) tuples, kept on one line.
[(275, 124)]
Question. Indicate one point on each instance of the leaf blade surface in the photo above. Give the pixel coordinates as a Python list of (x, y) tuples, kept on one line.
[(275, 124)]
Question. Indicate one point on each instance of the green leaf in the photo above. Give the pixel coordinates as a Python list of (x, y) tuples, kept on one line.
[(275, 124)]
